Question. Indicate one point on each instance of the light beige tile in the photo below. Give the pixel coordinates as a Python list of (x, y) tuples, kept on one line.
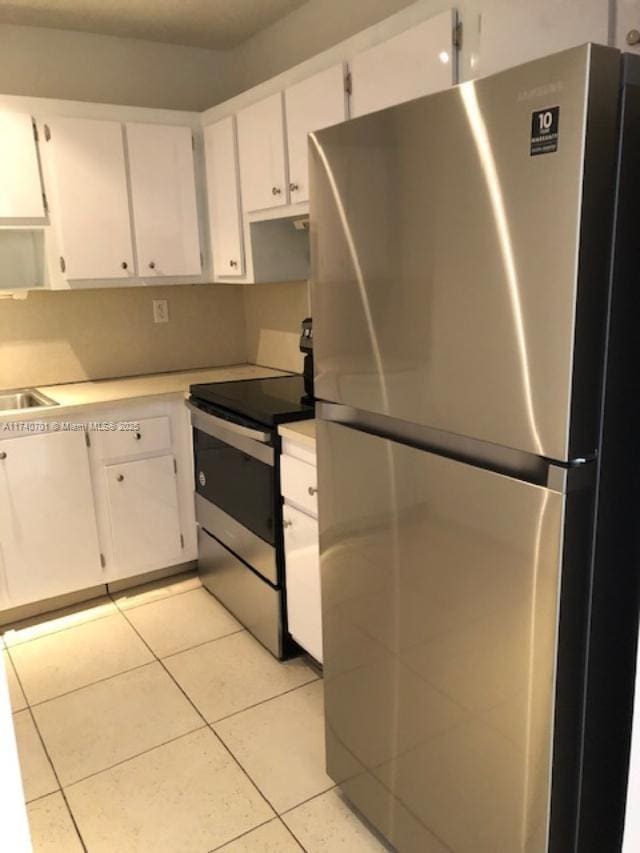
[(58, 663), (326, 823), (184, 797), (16, 694), (281, 746), (98, 726), (272, 837), (230, 674), (137, 596), (51, 827), (182, 621), (59, 620), (38, 778)]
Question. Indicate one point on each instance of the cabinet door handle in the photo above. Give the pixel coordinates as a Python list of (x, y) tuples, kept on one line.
[(312, 490), (286, 523), (233, 264), (293, 188), (152, 265), (138, 436), (120, 478), (3, 455), (276, 191), (124, 265)]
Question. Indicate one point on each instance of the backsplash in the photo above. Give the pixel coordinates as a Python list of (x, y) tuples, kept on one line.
[(69, 336), (273, 315)]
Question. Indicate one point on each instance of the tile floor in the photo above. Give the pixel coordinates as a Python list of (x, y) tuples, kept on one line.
[(151, 721)]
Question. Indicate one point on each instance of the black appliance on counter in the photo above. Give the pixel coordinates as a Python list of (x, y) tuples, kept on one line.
[(238, 502), (306, 347)]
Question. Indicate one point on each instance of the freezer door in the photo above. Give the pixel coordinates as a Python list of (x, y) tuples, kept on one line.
[(440, 615), (459, 262)]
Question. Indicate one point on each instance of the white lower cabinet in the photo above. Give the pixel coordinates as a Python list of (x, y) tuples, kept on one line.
[(302, 558), (143, 509), (48, 534)]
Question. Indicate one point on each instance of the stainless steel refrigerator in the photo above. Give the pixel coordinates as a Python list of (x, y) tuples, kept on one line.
[(475, 266)]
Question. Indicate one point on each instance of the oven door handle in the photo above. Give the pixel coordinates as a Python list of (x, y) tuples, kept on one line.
[(229, 426)]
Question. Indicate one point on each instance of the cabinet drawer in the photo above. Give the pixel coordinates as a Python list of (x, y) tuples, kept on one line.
[(154, 435), (300, 483), (302, 565)]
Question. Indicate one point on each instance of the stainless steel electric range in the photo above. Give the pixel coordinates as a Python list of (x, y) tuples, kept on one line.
[(238, 503)]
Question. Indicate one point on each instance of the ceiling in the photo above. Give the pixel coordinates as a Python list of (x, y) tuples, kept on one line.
[(216, 24)]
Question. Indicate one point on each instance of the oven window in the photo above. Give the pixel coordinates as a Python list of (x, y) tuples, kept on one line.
[(237, 483)]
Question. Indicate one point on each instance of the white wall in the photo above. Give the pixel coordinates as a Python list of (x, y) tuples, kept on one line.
[(81, 66)]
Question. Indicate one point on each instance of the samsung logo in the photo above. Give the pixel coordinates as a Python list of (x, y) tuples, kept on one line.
[(540, 91)]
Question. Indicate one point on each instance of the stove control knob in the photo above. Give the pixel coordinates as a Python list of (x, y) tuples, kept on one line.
[(202, 479)]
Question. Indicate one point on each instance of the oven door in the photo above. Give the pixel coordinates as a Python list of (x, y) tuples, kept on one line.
[(235, 488)]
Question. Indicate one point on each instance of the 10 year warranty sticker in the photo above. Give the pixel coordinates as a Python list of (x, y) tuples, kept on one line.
[(544, 131)]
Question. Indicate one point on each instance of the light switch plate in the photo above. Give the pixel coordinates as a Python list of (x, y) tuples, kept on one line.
[(160, 311)]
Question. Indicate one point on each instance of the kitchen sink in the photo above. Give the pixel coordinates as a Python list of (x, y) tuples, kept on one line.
[(25, 398)]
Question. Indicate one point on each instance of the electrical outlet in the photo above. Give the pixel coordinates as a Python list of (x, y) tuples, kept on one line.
[(160, 311)]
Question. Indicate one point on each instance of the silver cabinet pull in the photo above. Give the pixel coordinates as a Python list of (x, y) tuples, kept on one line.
[(120, 478), (3, 455), (233, 264), (286, 523), (312, 490), (293, 188), (138, 436), (124, 265), (152, 265), (276, 191)]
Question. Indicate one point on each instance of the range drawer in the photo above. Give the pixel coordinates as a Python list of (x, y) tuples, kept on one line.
[(300, 483), (153, 436)]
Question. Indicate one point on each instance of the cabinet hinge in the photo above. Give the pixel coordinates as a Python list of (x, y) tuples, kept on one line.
[(45, 202), (47, 133), (457, 36), (175, 467), (201, 260), (103, 562), (348, 83), (35, 131), (181, 541), (87, 438), (63, 265), (193, 142)]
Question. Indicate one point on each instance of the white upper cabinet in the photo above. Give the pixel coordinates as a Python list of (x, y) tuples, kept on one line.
[(163, 196), (417, 62), (261, 143), (223, 191), (20, 185), (312, 104), (90, 204)]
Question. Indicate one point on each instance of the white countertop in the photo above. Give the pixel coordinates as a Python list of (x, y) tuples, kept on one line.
[(304, 432), (108, 391)]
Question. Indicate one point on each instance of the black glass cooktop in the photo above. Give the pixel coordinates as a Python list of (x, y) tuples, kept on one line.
[(267, 401)]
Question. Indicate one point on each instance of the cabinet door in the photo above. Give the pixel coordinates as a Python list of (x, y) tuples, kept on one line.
[(312, 104), (163, 196), (304, 607), (20, 186), (90, 204), (416, 62), (223, 191), (145, 521), (48, 532), (263, 169)]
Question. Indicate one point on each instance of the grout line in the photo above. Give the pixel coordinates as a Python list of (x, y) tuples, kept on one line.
[(160, 598), (132, 757), (201, 715), (332, 787), (264, 701), (292, 833), (239, 630), (57, 778), (84, 686), (243, 835)]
